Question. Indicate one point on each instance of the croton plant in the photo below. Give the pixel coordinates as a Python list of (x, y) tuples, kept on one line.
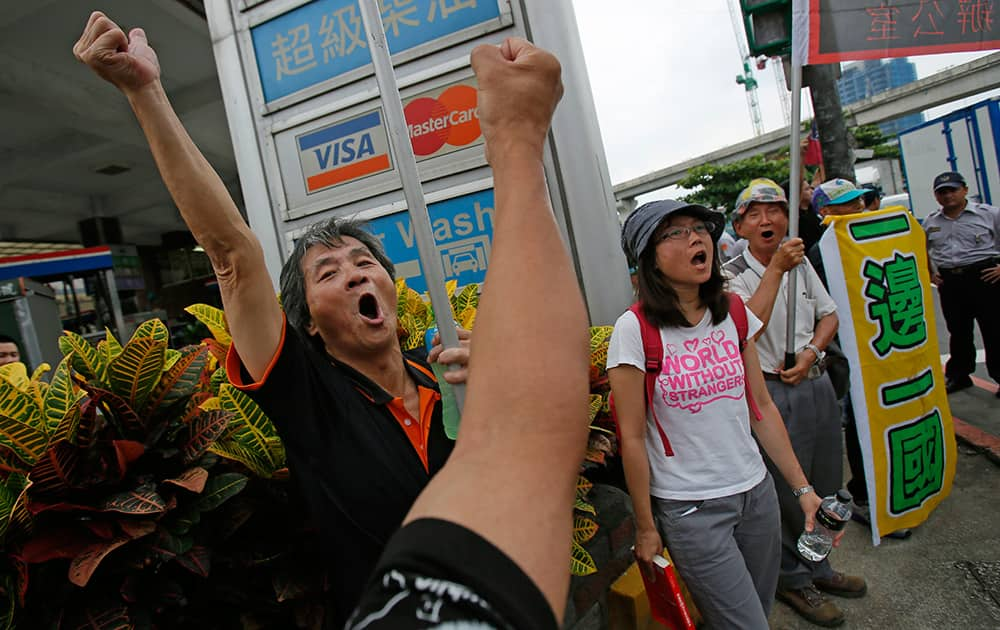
[(138, 488)]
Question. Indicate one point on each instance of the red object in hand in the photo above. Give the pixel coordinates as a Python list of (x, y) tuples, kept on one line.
[(666, 601)]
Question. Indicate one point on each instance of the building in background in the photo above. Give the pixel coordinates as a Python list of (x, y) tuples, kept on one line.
[(864, 79)]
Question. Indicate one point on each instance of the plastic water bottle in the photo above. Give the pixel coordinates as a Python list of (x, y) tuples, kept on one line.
[(831, 519), (449, 408)]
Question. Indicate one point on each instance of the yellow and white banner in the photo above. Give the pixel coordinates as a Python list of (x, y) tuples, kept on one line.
[(876, 267)]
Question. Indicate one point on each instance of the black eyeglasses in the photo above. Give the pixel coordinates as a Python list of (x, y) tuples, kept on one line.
[(681, 232)]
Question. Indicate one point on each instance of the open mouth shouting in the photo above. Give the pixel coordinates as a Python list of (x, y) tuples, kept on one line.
[(700, 259), (767, 234), (369, 310)]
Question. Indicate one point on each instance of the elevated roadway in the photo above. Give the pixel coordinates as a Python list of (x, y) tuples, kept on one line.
[(969, 79)]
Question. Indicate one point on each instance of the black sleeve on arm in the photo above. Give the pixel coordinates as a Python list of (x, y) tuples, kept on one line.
[(435, 572)]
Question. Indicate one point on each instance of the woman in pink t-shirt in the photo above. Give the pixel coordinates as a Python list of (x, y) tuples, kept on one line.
[(711, 499)]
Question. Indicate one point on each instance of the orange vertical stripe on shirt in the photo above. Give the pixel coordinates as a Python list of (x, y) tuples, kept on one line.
[(418, 430)]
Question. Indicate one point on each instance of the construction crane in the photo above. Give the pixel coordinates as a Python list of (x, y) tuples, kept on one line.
[(746, 79), (784, 96)]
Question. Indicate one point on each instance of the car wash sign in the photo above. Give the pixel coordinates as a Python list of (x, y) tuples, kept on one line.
[(324, 40), (463, 231), (876, 265)]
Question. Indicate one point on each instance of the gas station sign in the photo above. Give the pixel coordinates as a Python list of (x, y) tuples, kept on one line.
[(299, 73)]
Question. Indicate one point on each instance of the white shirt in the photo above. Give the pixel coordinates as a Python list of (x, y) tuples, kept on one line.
[(700, 401), (813, 304)]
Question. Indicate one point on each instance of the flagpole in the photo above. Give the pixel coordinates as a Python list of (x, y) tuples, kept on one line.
[(794, 192), (406, 165)]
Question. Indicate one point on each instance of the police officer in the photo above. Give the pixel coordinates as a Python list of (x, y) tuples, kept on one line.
[(963, 248)]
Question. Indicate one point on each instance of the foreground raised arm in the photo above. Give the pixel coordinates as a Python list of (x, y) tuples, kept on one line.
[(528, 366), (130, 64)]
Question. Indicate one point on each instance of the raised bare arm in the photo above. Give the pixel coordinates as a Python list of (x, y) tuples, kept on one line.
[(531, 335), (131, 65)]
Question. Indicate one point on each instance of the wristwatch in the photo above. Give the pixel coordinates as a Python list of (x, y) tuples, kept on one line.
[(798, 492), (820, 355)]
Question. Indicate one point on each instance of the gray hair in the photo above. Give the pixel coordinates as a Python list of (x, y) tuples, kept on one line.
[(329, 233)]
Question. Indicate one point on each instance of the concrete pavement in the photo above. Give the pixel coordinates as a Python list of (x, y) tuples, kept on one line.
[(945, 576)]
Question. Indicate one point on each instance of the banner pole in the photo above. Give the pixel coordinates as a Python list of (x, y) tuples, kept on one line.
[(406, 165), (794, 192)]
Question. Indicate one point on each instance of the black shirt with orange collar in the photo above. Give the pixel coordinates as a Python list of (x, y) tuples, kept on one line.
[(359, 458)]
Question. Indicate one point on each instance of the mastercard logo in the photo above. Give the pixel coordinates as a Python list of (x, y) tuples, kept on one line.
[(450, 119)]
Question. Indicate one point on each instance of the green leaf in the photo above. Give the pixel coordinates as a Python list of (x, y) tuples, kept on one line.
[(86, 360), (153, 328), (179, 381), (255, 460), (467, 298), (60, 399), (583, 486), (12, 491), (249, 426), (583, 506), (136, 371), (21, 424), (16, 373), (214, 319), (220, 489), (112, 345), (142, 500), (581, 563), (169, 358), (583, 529), (596, 403), (217, 380)]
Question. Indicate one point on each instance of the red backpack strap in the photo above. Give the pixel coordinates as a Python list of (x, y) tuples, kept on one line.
[(652, 347), (738, 312)]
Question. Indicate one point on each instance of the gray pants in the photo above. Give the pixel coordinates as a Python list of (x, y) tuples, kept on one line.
[(727, 551), (812, 416)]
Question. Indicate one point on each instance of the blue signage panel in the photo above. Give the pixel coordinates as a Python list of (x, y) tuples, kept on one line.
[(53, 263), (326, 38), (463, 232)]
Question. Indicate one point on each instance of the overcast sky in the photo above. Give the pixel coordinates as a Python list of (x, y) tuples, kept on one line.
[(663, 77)]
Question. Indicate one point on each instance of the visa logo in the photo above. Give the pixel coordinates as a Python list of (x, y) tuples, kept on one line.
[(343, 152)]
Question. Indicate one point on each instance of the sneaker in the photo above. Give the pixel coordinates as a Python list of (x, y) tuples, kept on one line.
[(812, 606), (850, 586), (952, 385)]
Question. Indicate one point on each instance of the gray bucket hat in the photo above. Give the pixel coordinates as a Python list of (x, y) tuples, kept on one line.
[(642, 223)]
